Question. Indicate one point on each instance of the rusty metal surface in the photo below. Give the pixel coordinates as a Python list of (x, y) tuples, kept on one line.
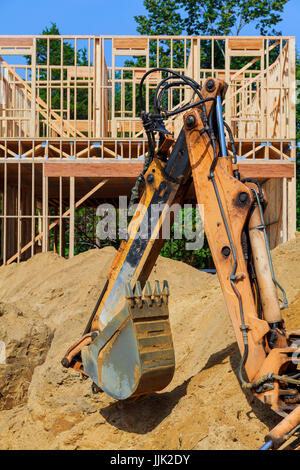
[(90, 353), (285, 428), (134, 354)]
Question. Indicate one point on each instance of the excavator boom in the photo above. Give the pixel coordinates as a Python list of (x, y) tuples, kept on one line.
[(127, 347)]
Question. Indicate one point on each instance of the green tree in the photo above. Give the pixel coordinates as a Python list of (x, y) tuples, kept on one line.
[(176, 248), (208, 17), (231, 16), (211, 17), (164, 18)]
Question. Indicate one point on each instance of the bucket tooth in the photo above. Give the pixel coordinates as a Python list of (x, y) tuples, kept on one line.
[(165, 292), (129, 294), (148, 293), (138, 294), (157, 293), (154, 340), (128, 291)]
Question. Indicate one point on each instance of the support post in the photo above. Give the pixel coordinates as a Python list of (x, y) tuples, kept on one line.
[(45, 213), (72, 217)]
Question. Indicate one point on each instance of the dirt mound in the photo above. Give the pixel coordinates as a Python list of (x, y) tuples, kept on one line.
[(26, 345), (203, 407)]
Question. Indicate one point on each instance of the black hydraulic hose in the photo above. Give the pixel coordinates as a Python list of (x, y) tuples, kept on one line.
[(149, 119), (244, 327), (189, 106), (231, 138), (188, 81), (166, 114), (158, 96), (263, 226), (254, 181)]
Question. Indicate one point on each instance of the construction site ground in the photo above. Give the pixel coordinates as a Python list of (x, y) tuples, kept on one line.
[(45, 303)]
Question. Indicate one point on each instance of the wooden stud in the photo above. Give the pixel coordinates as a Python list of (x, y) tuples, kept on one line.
[(72, 217)]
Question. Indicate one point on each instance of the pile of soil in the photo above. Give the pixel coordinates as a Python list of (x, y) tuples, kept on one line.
[(45, 303)]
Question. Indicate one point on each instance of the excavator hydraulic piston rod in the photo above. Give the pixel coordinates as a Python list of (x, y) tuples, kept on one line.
[(267, 288)]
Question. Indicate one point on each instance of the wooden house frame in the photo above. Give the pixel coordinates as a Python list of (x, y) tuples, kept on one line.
[(71, 137)]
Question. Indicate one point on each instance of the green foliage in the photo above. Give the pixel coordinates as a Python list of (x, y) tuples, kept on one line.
[(210, 17), (207, 17), (176, 246), (223, 17), (163, 18)]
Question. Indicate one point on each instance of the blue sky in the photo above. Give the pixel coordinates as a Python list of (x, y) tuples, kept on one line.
[(97, 16)]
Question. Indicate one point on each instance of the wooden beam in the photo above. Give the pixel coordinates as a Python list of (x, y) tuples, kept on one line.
[(16, 42), (133, 169), (82, 71), (98, 170), (130, 43), (267, 170), (239, 44)]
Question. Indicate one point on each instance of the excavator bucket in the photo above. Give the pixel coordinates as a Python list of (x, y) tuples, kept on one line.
[(134, 355)]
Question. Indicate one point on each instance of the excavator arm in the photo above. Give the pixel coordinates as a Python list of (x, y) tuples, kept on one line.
[(127, 347)]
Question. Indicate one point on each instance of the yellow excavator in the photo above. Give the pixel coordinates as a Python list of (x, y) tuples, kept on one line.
[(126, 348)]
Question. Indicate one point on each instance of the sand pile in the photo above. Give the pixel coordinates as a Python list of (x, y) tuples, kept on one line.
[(45, 304)]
